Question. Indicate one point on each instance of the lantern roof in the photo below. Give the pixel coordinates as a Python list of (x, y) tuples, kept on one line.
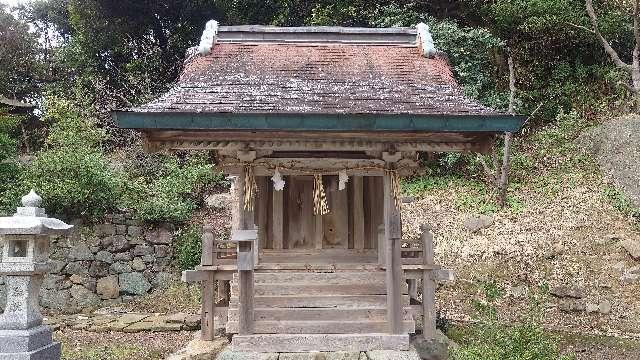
[(31, 219)]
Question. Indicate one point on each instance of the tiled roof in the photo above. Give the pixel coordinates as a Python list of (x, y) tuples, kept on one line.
[(316, 78)]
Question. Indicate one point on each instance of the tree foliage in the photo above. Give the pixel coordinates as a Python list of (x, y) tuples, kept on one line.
[(20, 66)]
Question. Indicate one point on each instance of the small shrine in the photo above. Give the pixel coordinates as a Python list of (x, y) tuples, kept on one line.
[(318, 125)]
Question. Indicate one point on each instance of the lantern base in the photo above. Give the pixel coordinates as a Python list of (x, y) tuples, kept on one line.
[(32, 344)]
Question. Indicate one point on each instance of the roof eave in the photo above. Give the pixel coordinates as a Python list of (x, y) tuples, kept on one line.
[(496, 123)]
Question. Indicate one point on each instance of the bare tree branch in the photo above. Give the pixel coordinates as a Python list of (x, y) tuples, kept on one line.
[(607, 47), (504, 171), (512, 86), (581, 27)]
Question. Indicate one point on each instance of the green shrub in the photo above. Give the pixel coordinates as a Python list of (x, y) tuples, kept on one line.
[(188, 247), (71, 173), (175, 192)]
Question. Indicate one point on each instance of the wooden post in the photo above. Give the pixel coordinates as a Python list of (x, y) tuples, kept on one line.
[(393, 236), (382, 250), (428, 285), (358, 213), (245, 277), (277, 238), (207, 327), (208, 255)]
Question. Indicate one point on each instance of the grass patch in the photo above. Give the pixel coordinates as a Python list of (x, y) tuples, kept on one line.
[(621, 202)]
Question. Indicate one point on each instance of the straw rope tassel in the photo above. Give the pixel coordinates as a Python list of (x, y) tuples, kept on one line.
[(395, 187), (250, 187), (319, 196)]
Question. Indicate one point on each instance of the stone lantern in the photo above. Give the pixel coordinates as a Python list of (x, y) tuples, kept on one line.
[(25, 256)]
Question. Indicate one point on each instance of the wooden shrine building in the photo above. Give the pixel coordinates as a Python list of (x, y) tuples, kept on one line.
[(318, 125)]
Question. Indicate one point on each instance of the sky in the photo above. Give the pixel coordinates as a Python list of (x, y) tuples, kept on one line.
[(13, 2)]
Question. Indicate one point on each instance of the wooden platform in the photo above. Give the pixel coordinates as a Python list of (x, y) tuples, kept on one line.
[(319, 342)]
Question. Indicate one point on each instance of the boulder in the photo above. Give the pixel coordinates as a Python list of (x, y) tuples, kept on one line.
[(142, 250), (119, 267), (477, 223), (160, 235), (138, 265), (564, 291), (632, 247), (105, 257), (616, 146), (436, 349), (83, 296), (118, 243), (219, 201), (162, 250), (54, 299), (162, 279), (99, 269), (80, 252), (124, 256), (134, 284), (77, 268), (107, 287), (134, 231)]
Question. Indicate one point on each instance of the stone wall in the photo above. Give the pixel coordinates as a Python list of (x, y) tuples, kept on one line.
[(105, 264)]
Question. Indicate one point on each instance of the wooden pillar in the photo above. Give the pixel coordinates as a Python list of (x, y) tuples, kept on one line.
[(357, 202), (277, 209), (428, 285), (245, 277), (393, 236), (382, 250), (207, 327), (262, 204)]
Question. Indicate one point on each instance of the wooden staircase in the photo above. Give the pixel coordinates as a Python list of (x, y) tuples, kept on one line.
[(345, 302)]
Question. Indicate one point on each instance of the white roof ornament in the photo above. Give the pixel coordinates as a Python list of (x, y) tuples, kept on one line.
[(425, 41), (208, 38)]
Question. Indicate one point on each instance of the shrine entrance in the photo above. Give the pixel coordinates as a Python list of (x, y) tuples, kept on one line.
[(293, 233)]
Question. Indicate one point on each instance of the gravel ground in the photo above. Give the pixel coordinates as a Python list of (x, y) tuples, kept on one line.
[(85, 345)]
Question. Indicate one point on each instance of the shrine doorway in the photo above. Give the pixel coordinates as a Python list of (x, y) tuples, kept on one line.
[(293, 233)]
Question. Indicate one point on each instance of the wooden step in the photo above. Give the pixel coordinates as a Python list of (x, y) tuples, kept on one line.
[(302, 314), (320, 301), (269, 289), (320, 327), (319, 342)]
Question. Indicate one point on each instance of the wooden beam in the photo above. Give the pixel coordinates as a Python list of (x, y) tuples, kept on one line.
[(357, 202), (393, 237), (298, 166)]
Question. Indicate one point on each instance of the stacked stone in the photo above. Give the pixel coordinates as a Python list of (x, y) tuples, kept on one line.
[(107, 263)]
